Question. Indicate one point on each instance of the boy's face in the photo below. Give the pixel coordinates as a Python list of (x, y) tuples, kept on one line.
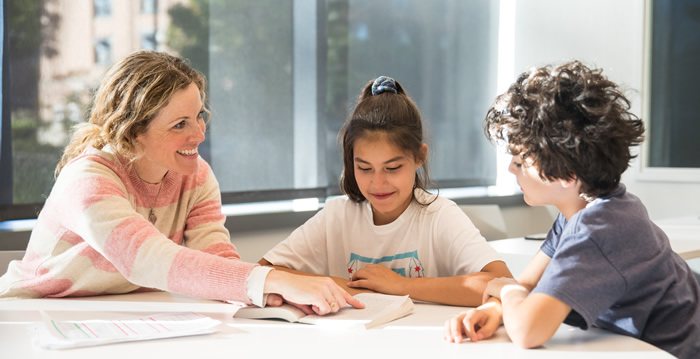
[(536, 191)]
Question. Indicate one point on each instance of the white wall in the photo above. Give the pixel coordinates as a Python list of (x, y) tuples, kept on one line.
[(610, 35)]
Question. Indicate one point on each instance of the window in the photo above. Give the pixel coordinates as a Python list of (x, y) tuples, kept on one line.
[(675, 74), (148, 41), (103, 51), (673, 36), (148, 6), (103, 8), (282, 77)]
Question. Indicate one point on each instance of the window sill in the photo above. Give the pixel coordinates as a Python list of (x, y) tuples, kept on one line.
[(277, 214)]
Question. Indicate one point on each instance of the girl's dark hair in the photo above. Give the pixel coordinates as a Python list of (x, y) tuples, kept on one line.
[(383, 106), (572, 121)]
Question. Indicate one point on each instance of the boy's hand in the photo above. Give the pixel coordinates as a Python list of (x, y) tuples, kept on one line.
[(475, 324)]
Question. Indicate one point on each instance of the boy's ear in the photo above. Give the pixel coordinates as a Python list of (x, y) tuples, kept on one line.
[(569, 183)]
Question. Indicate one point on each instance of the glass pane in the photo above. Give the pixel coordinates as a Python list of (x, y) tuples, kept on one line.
[(250, 83), (441, 54), (673, 122), (58, 53)]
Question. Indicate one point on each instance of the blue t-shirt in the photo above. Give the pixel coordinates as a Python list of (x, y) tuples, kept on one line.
[(615, 268)]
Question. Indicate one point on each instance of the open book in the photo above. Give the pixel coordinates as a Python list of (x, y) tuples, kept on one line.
[(379, 309)]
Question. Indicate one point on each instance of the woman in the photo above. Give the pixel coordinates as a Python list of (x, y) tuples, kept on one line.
[(134, 206)]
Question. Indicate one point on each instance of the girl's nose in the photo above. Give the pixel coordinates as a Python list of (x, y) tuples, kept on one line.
[(379, 177)]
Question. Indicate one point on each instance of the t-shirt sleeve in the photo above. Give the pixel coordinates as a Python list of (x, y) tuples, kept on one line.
[(461, 243), (581, 276), (548, 246), (305, 249)]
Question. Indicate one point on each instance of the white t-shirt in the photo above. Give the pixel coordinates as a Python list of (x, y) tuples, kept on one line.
[(437, 240)]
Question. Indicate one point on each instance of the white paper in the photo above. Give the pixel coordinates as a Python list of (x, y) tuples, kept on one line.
[(55, 334)]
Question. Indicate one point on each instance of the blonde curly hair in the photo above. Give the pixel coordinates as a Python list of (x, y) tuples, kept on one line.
[(129, 97)]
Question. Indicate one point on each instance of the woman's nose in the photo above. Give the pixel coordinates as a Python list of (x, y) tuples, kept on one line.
[(198, 132)]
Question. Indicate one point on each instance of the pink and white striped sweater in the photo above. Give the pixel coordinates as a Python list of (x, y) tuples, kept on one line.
[(92, 236)]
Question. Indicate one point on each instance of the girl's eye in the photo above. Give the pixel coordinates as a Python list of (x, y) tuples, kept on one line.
[(393, 168), (363, 169)]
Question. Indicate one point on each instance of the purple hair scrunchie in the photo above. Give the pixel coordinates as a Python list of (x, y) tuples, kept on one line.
[(383, 84)]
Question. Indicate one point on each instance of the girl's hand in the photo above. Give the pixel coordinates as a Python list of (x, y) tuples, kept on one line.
[(378, 278), (475, 324), (320, 295), (495, 286)]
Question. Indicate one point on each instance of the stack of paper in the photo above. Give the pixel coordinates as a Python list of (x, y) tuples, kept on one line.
[(54, 334)]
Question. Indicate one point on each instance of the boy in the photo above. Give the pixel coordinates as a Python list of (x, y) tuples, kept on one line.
[(604, 262)]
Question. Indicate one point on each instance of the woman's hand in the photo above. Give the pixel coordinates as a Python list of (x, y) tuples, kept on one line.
[(274, 300), (475, 324), (320, 295), (378, 278)]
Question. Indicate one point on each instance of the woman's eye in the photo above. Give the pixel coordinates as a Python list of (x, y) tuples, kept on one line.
[(200, 115), (363, 169), (180, 124), (393, 168)]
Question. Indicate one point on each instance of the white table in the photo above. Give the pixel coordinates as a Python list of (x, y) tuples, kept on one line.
[(684, 234), (418, 335)]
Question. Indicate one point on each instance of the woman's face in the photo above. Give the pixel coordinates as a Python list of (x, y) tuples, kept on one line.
[(385, 176), (171, 139)]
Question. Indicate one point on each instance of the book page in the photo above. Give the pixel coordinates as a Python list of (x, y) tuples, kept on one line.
[(54, 334), (286, 312), (379, 309)]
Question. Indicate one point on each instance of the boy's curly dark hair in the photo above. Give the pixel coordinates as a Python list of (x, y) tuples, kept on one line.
[(572, 121)]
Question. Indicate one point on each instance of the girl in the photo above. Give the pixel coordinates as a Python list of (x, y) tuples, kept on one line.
[(388, 234)]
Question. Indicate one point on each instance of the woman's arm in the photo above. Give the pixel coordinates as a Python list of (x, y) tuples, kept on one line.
[(463, 290)]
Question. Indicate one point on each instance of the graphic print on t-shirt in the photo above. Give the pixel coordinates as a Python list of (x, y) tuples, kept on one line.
[(406, 264)]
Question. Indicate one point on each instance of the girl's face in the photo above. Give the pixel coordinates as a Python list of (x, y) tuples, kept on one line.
[(385, 175), (171, 140)]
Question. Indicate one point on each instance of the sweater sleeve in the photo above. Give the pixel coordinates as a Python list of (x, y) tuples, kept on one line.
[(97, 207), (204, 224)]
